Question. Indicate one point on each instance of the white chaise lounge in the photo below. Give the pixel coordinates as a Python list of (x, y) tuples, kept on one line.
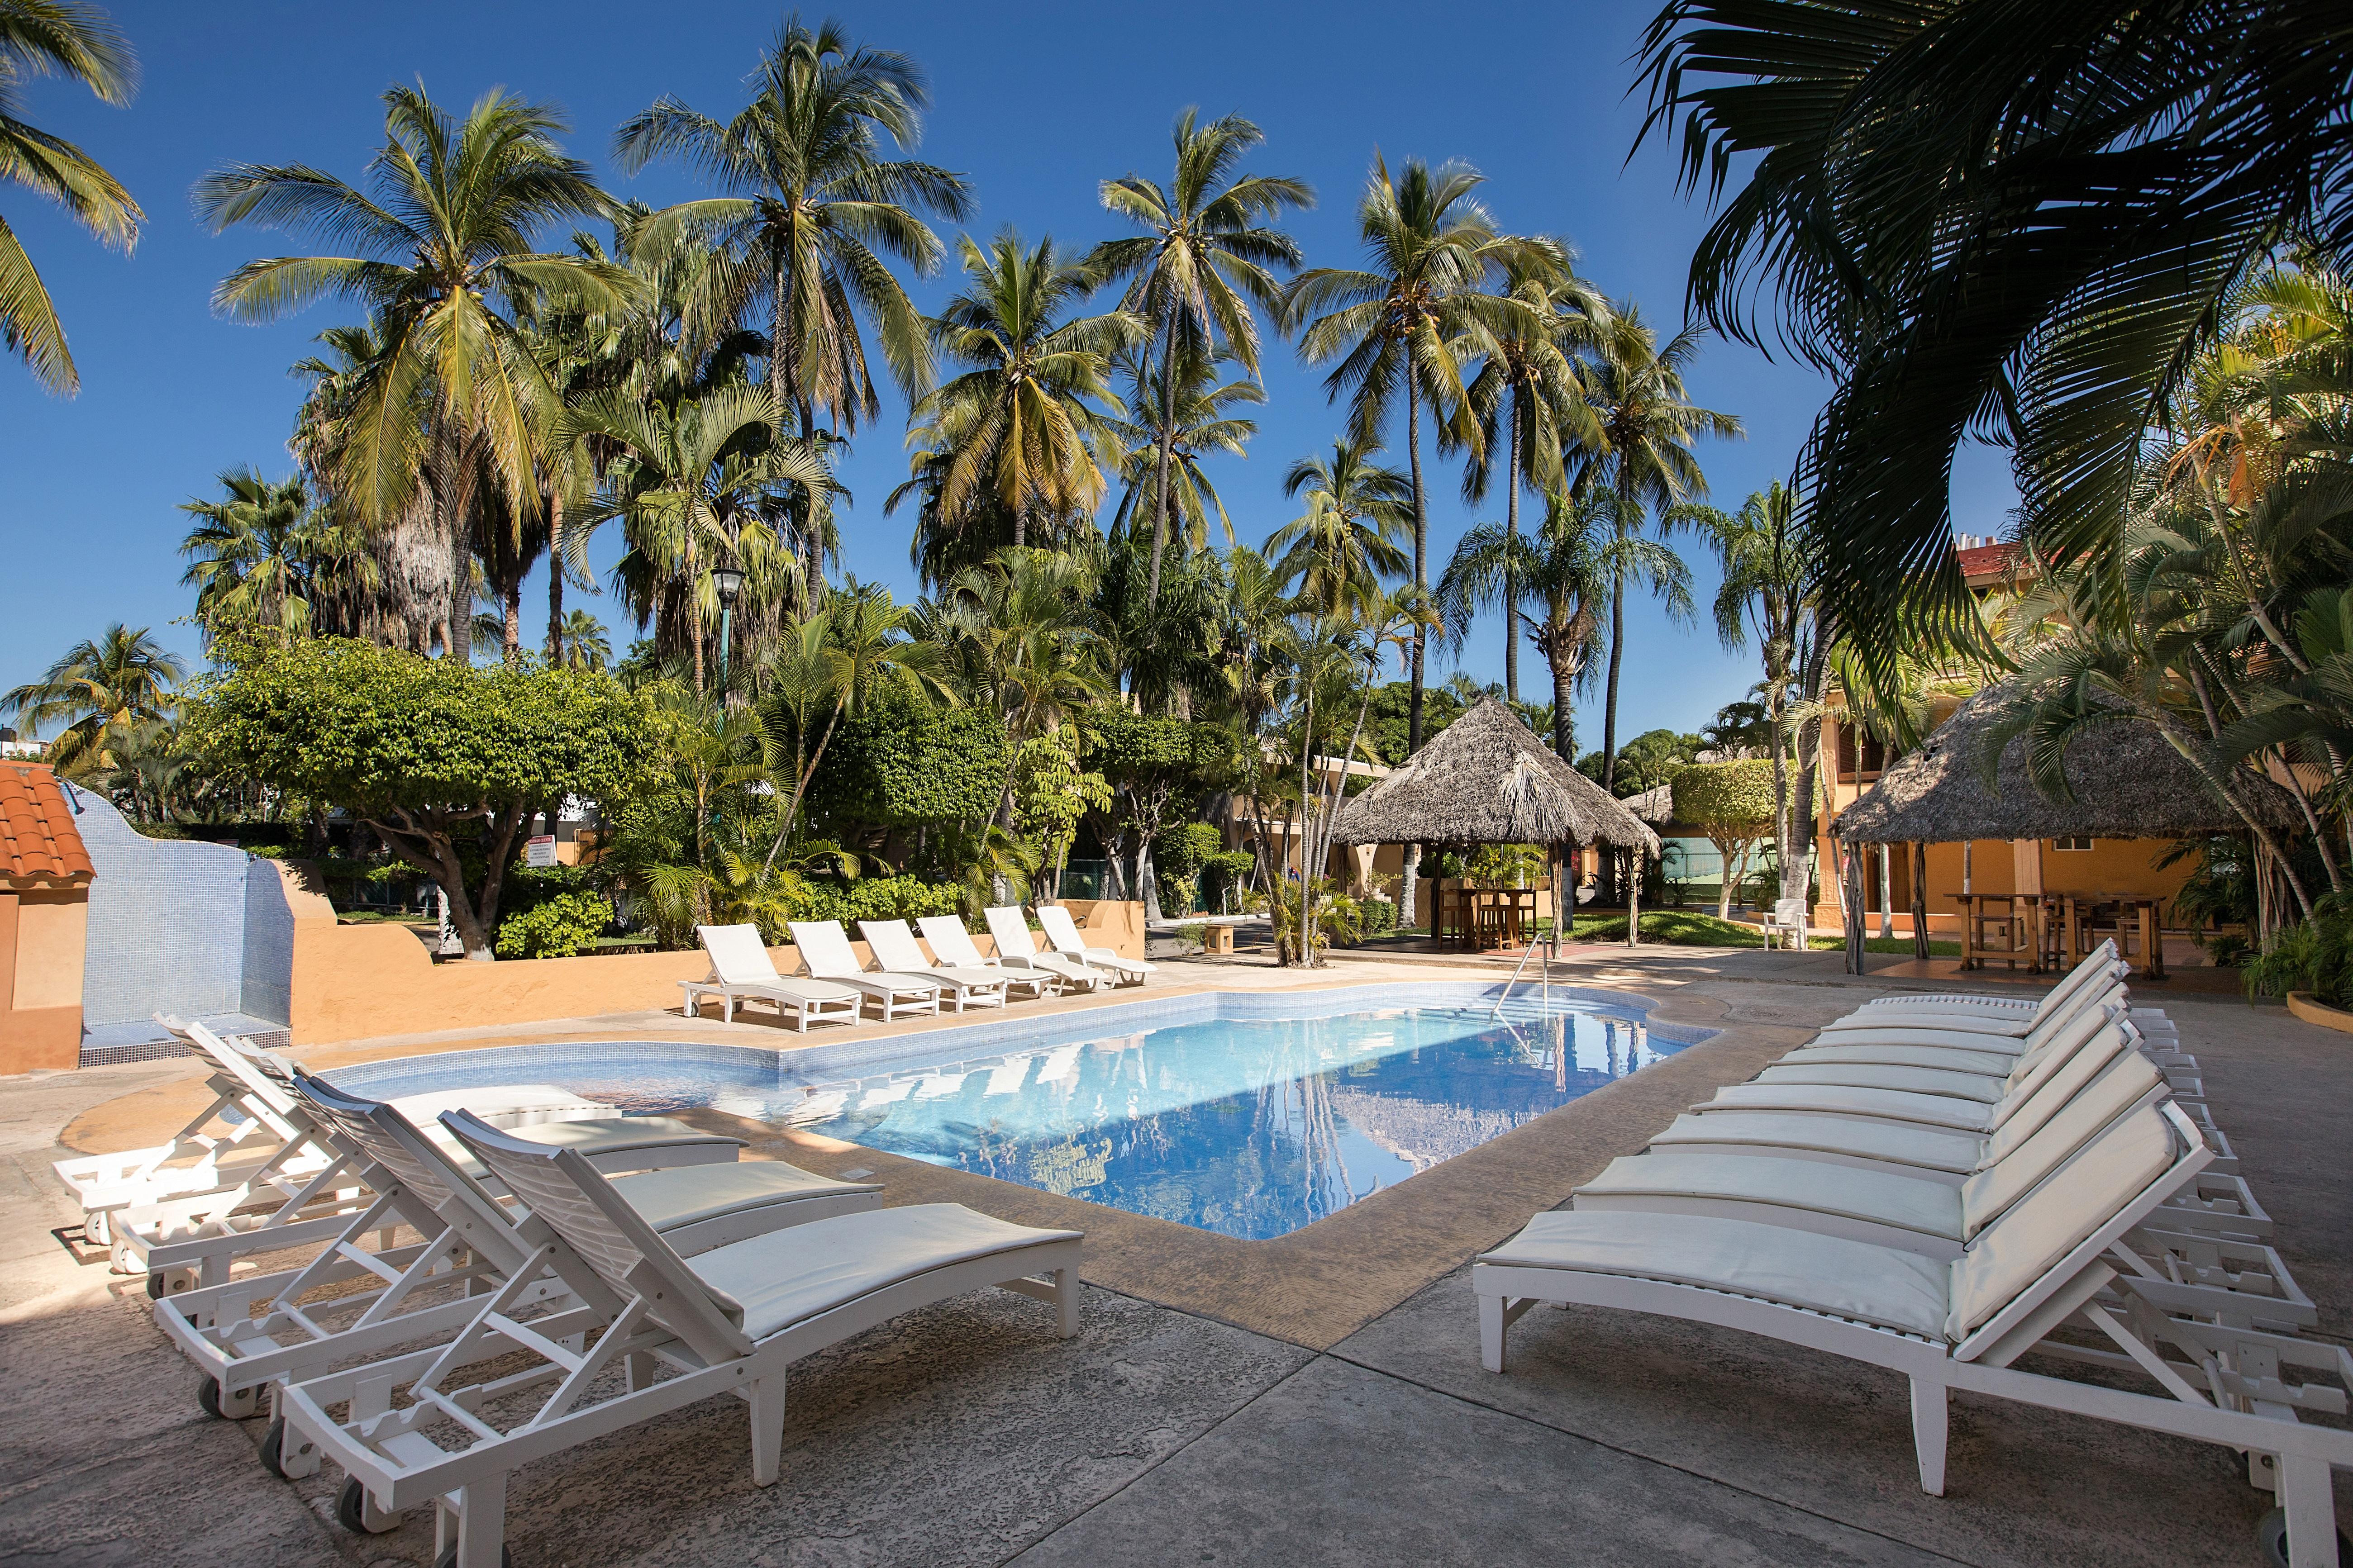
[(1017, 949), (2053, 1258), (350, 1301), (952, 945), (741, 970), (1064, 932), (726, 1321), (895, 949), (826, 952)]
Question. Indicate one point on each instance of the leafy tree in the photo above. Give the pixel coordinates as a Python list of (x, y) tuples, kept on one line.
[(1734, 804), (1053, 794), (44, 37), (99, 691), (584, 644), (899, 764), (812, 197), (1195, 419), (453, 391), (1646, 762), (1348, 540), (443, 762), (1202, 260), (1151, 763)]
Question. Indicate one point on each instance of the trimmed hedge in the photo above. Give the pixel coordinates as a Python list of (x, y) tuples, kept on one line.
[(897, 765)]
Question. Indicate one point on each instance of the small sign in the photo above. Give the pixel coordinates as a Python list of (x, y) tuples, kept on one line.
[(538, 849)]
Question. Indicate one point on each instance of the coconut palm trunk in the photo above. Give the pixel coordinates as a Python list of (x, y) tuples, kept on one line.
[(1511, 587), (554, 578), (1409, 890), (1167, 441)]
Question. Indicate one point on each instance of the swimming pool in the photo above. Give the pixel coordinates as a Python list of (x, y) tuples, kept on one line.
[(1249, 1114)]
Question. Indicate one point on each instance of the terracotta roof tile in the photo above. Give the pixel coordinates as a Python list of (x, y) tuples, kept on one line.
[(1989, 560), (39, 845)]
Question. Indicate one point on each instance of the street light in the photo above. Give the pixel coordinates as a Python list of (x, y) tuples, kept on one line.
[(730, 583)]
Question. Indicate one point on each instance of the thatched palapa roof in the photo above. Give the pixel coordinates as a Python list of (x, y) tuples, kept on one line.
[(2127, 781), (1486, 779)]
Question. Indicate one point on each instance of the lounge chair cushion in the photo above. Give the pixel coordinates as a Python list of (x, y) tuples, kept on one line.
[(1916, 1080), (772, 1282), (1896, 1105), (612, 1135), (1906, 1203), (687, 1195), (1904, 1019), (506, 1105), (1881, 1285), (1897, 1143), (1995, 1064)]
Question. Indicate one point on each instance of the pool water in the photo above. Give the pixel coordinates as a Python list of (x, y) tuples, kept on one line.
[(1246, 1115)]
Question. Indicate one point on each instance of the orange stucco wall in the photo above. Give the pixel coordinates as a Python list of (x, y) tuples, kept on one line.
[(42, 937), (358, 982)]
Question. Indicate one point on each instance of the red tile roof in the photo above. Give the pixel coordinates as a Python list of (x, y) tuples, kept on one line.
[(39, 845), (1989, 560)]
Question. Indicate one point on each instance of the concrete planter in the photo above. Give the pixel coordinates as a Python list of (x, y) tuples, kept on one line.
[(2313, 1010)]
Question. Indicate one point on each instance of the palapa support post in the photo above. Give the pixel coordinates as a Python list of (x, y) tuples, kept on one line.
[(1920, 901), (1635, 859), (1854, 911)]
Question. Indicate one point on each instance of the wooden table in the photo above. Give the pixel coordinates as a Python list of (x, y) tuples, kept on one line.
[(2021, 913), (2135, 917), (1482, 919)]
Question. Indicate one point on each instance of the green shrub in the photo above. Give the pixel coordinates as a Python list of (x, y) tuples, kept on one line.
[(1376, 918), (873, 899), (898, 764), (1226, 873), (2316, 955), (1194, 935), (555, 927)]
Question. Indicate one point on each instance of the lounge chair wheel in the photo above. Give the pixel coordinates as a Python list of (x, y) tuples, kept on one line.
[(155, 1287), (2271, 1534), (356, 1514), (236, 1407), (273, 1444)]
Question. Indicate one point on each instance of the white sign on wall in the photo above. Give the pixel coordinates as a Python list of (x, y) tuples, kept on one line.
[(538, 849)]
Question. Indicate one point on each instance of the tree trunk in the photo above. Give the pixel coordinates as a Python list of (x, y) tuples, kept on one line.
[(1919, 900), (1167, 440), (1409, 893), (1887, 894), (554, 577), (1563, 681), (1510, 588), (512, 606)]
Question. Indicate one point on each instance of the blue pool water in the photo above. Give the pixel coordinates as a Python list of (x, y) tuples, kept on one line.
[(1246, 1115)]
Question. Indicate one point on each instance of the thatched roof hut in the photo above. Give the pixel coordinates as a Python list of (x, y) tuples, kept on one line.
[(1486, 779), (2127, 782)]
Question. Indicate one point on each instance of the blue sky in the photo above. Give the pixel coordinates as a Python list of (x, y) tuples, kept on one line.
[(1034, 104)]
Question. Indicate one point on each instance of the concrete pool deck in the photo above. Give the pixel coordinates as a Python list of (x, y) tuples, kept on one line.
[(1312, 1399)]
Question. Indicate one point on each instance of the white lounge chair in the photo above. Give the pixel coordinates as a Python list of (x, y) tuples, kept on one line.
[(952, 945), (2087, 982), (2024, 1033), (2049, 1260), (894, 947), (826, 953), (1064, 932), (741, 970), (1017, 949), (730, 1320), (1968, 1002), (351, 1301), (188, 1239)]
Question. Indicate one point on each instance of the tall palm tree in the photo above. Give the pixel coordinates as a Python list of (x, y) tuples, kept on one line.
[(1203, 258), (1530, 383), (585, 645), (1349, 539), (811, 198), (445, 266), (1648, 425), (1022, 422), (1200, 418), (57, 38), (1404, 326), (692, 482), (253, 554), (124, 678)]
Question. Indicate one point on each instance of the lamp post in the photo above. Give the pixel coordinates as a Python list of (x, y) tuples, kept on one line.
[(730, 583)]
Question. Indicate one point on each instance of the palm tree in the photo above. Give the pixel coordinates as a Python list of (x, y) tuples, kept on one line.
[(1020, 425), (1153, 428), (1648, 425), (811, 198), (2040, 249), (1202, 260), (446, 269), (1530, 382), (253, 556), (124, 677), (1347, 542), (1404, 325), (46, 37), (585, 645), (692, 483)]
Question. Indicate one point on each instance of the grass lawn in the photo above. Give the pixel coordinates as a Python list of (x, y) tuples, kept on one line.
[(1689, 928)]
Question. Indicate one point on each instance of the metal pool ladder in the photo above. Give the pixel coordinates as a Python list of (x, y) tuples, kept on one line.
[(1534, 948)]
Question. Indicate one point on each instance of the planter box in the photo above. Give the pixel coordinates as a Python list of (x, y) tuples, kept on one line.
[(2313, 1010)]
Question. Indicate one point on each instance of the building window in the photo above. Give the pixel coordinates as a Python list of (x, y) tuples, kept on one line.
[(2071, 843)]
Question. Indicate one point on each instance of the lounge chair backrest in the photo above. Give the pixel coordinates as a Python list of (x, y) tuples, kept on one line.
[(418, 1165), (241, 1066), (738, 956), (2014, 1252), (2020, 1116), (952, 942), (2096, 992), (1062, 929), (598, 1225), (893, 945), (2121, 1088), (825, 948), (2093, 964), (2070, 1036), (1011, 930)]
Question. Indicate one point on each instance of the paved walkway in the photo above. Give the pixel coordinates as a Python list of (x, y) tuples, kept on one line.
[(1177, 1433)]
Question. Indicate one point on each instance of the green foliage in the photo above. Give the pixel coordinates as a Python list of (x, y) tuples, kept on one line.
[(1180, 854), (898, 763), (1224, 873), (1644, 763), (1376, 918), (1712, 795), (1386, 719), (556, 927), (1337, 919), (1135, 751), (2315, 955), (1194, 935), (873, 899), (1051, 794), (1685, 927), (1504, 865)]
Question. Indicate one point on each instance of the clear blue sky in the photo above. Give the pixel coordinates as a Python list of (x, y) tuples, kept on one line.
[(1035, 104)]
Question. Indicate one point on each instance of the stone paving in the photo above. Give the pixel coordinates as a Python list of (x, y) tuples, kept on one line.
[(1215, 1410)]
